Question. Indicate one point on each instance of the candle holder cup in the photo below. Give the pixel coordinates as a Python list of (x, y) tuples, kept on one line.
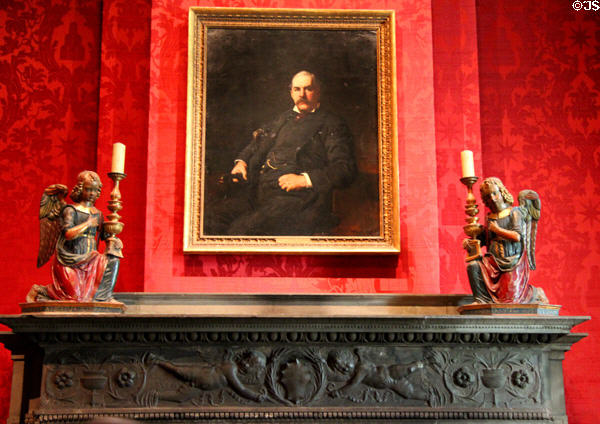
[(473, 228)]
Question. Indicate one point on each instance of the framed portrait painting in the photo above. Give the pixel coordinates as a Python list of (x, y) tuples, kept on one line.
[(291, 132)]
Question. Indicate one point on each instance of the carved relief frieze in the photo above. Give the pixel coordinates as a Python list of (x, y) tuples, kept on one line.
[(489, 378), (94, 379), (279, 375)]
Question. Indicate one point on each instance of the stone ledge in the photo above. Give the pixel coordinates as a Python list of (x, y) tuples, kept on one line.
[(513, 309), (277, 305)]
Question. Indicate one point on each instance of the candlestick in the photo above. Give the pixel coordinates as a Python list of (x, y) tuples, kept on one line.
[(118, 159), (113, 226)]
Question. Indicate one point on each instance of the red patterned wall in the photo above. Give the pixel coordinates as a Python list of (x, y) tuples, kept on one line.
[(49, 68), (540, 92), (60, 111), (77, 76), (123, 117), (457, 127)]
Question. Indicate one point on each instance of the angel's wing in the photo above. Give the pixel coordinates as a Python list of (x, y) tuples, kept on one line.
[(50, 207), (531, 206)]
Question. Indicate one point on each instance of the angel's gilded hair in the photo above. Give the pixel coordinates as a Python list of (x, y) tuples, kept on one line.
[(488, 182), (82, 178)]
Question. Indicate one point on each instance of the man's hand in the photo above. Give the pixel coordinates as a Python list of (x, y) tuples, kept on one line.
[(240, 168), (292, 182)]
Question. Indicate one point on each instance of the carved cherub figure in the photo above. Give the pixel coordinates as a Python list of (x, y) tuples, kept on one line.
[(71, 232), (502, 274), (359, 371), (342, 363), (212, 376)]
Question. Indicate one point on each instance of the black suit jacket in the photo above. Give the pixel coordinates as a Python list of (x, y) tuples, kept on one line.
[(325, 153)]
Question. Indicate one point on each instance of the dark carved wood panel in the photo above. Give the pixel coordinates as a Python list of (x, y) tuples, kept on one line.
[(175, 368)]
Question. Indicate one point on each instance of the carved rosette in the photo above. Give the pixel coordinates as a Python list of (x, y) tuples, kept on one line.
[(524, 381), (462, 379), (61, 384), (128, 377)]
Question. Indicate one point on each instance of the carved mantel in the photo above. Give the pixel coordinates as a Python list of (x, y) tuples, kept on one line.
[(354, 358)]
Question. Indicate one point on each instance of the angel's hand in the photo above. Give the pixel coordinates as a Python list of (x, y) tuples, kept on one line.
[(469, 244), (92, 222), (503, 233), (466, 243), (493, 226)]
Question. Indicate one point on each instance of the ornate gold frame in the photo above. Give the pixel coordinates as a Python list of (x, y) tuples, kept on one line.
[(381, 22)]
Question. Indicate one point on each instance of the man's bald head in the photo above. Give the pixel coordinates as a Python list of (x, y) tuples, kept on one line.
[(305, 90), (310, 75)]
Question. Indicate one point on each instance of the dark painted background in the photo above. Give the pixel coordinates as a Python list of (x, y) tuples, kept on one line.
[(248, 77)]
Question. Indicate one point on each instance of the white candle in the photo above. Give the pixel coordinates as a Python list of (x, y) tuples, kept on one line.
[(466, 160), (118, 158)]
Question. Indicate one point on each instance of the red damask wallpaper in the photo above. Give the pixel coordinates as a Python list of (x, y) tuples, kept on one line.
[(516, 83), (123, 116), (457, 126), (49, 76), (539, 65)]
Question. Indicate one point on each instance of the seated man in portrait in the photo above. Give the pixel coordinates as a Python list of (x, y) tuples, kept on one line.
[(288, 172)]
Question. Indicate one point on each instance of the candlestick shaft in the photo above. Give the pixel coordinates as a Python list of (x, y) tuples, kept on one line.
[(113, 226)]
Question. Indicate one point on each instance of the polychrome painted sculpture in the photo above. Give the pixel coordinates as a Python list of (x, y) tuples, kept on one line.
[(71, 232), (502, 274)]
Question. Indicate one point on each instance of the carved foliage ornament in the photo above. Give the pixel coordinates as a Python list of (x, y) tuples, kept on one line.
[(436, 377)]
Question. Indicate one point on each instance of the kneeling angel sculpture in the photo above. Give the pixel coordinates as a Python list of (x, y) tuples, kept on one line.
[(79, 272), (502, 274)]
